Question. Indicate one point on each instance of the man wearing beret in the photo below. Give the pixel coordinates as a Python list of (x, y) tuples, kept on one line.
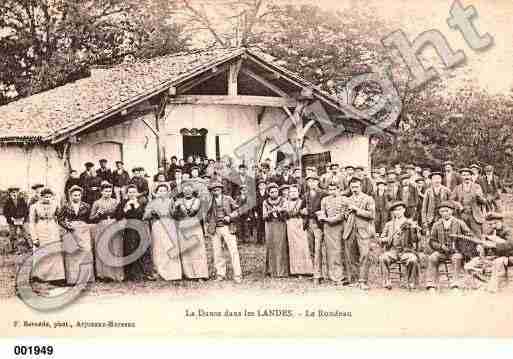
[(492, 186), (358, 231), (446, 248), (494, 253), (400, 239), (469, 198)]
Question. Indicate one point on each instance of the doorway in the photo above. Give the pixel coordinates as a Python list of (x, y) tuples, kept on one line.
[(194, 146)]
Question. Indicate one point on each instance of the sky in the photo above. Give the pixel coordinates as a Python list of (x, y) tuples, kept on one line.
[(490, 69)]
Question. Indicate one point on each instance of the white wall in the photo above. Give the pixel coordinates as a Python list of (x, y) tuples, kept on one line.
[(23, 167), (139, 146)]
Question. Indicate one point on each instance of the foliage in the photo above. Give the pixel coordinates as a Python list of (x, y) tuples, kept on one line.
[(50, 42)]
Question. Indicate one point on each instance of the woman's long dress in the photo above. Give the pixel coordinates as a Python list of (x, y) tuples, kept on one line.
[(77, 243), (277, 262), (142, 266), (44, 227), (108, 251), (165, 248), (299, 250), (190, 238)]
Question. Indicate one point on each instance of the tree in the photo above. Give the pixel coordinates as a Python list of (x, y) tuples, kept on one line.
[(50, 42)]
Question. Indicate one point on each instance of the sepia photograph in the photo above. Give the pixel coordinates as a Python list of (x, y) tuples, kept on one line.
[(256, 168)]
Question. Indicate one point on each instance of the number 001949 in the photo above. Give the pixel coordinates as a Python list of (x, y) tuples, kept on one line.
[(33, 350)]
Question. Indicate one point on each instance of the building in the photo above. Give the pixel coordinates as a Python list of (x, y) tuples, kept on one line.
[(207, 102)]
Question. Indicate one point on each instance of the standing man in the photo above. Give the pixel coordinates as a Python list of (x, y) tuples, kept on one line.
[(16, 213), (313, 197), (410, 170), (393, 188), (332, 176), (451, 178), (90, 183), (434, 195), (120, 179), (476, 173), (103, 172), (366, 182), (381, 203), (333, 212), (491, 186), (409, 196), (470, 199), (426, 174), (220, 216), (170, 175), (358, 231), (444, 247)]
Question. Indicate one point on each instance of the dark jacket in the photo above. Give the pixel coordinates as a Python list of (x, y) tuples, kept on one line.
[(120, 179), (104, 174), (20, 210), (67, 214)]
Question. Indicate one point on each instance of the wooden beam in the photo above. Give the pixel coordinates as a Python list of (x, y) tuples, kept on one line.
[(197, 81), (266, 83), (232, 78), (274, 74), (233, 100)]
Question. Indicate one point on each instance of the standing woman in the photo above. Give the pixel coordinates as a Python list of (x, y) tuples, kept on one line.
[(44, 230), (103, 213), (132, 209), (277, 262), (261, 196), (190, 234), (165, 250), (74, 217), (299, 251)]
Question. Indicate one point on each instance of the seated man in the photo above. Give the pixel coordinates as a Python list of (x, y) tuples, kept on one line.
[(445, 246), (496, 253), (399, 238)]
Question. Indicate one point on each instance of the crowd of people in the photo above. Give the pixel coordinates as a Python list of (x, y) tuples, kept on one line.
[(316, 223)]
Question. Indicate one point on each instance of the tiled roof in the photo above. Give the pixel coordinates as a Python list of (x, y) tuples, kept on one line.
[(57, 110), (62, 109)]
